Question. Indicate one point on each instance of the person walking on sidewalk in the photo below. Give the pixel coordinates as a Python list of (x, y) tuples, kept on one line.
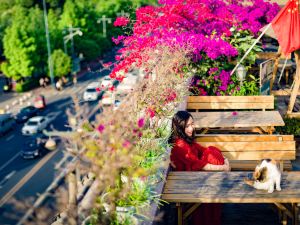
[(58, 85), (42, 82)]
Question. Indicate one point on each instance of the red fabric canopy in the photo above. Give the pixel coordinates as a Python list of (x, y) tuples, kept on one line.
[(286, 26)]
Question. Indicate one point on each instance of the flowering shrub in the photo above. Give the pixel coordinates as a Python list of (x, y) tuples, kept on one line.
[(128, 145), (217, 33)]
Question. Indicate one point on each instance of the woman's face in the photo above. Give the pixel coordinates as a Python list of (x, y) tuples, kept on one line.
[(189, 127)]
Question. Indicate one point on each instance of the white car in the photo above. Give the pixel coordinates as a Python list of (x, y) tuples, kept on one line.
[(107, 82), (92, 92), (108, 98), (36, 124)]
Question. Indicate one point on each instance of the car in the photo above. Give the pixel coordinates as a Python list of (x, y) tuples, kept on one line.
[(7, 123), (107, 82), (108, 98), (36, 124), (34, 146), (26, 113), (92, 92)]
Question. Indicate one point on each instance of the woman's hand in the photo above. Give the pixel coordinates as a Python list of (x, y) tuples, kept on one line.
[(211, 167), (226, 165)]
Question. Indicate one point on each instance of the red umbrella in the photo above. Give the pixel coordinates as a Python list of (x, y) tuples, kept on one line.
[(286, 26)]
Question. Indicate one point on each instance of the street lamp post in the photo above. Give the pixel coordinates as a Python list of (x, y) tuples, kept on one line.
[(103, 20), (50, 63), (67, 38), (72, 32)]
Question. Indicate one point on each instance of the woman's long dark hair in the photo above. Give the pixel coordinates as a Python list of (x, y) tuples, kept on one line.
[(179, 122)]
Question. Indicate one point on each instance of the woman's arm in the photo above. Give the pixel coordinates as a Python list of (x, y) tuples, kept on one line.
[(225, 167)]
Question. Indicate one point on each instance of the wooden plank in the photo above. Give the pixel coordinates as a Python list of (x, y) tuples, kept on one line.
[(238, 165), (254, 155), (242, 137), (226, 187), (252, 146), (284, 92), (241, 119), (190, 198), (229, 105), (293, 114), (236, 99)]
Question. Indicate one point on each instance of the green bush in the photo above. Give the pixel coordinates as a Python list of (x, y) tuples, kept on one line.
[(292, 126), (26, 85)]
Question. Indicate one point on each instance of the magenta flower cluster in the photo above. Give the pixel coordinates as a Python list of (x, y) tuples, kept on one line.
[(200, 25)]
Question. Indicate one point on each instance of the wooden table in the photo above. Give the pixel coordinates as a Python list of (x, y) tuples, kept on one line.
[(260, 121), (229, 187)]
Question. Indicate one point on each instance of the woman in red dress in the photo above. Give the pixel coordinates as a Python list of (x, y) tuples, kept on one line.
[(187, 155)]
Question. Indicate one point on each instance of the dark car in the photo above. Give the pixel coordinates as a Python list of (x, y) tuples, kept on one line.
[(34, 146), (26, 113)]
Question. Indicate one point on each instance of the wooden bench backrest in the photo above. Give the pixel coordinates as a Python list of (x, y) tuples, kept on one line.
[(230, 102), (251, 147)]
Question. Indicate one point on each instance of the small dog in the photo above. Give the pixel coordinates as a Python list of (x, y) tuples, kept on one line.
[(265, 176)]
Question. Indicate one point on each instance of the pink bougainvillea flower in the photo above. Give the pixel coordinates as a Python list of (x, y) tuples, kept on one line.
[(140, 134), (101, 128), (98, 89), (121, 21), (112, 88), (126, 144), (171, 96), (234, 113), (106, 65), (119, 39), (120, 78), (141, 122), (150, 112)]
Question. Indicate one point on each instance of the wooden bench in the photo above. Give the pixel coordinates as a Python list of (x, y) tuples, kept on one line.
[(190, 189), (260, 102), (245, 151), (214, 113)]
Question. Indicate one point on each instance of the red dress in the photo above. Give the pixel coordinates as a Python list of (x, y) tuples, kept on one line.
[(193, 157)]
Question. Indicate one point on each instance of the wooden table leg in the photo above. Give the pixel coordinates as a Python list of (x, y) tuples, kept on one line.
[(179, 214), (295, 214)]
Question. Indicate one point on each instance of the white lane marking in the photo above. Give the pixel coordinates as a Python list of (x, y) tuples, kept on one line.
[(7, 177), (10, 137), (9, 161)]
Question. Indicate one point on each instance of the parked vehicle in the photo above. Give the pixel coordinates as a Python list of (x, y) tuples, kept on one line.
[(7, 123), (40, 102), (108, 98), (36, 124), (107, 82), (26, 113), (92, 92), (34, 146)]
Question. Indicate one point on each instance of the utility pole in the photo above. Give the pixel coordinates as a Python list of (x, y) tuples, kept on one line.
[(75, 63), (123, 14), (50, 63), (103, 20)]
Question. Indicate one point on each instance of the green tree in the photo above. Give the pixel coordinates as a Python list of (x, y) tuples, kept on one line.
[(22, 43), (6, 11), (61, 63)]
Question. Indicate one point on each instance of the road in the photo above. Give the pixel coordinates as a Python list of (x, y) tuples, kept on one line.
[(23, 179)]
